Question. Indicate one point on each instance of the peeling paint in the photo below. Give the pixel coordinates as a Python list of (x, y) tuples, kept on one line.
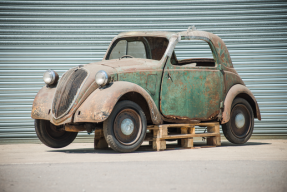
[(173, 92)]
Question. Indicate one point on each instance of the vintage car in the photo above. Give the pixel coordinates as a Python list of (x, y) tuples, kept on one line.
[(142, 81)]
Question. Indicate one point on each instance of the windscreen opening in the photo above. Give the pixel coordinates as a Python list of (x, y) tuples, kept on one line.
[(138, 47)]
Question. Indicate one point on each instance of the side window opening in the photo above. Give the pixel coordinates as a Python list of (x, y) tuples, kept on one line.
[(194, 53)]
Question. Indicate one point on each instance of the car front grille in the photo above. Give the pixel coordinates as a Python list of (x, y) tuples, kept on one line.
[(67, 90)]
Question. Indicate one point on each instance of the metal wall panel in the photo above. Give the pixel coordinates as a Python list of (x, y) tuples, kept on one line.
[(40, 35)]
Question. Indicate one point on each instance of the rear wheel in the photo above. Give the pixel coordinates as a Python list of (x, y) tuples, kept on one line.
[(239, 128), (125, 129), (52, 136)]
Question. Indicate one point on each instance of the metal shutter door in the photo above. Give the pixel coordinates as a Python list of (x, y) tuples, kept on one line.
[(40, 35)]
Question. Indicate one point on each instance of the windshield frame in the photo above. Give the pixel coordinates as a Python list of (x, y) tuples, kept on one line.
[(142, 39)]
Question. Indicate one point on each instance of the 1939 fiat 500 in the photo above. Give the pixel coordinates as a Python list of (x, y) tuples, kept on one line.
[(143, 80)]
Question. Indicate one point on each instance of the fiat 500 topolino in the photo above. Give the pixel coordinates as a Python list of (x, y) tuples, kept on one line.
[(142, 80)]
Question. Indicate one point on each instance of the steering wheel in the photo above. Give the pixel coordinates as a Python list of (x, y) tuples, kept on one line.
[(126, 56)]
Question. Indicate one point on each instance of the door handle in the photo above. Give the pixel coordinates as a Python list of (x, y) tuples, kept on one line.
[(169, 76)]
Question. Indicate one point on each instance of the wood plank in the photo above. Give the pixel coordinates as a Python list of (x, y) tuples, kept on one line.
[(180, 136), (208, 124), (100, 143), (214, 141), (158, 144), (188, 142)]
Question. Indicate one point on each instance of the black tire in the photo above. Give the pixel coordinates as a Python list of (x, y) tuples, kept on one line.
[(240, 131), (51, 136), (125, 138)]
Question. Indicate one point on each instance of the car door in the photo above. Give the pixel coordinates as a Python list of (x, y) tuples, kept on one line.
[(190, 90)]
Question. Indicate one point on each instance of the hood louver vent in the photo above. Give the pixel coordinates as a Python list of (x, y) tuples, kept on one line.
[(67, 90)]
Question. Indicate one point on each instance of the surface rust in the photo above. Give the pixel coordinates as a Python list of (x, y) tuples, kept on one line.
[(74, 128), (99, 105), (174, 91), (42, 104)]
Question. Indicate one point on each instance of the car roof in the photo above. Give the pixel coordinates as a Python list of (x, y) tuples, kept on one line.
[(222, 54), (165, 34)]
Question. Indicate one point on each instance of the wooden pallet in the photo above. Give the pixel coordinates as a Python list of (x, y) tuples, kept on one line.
[(99, 140), (160, 134)]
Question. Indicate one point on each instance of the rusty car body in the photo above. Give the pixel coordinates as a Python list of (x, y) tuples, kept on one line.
[(145, 85)]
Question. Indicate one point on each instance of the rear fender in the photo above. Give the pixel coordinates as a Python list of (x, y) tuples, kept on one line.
[(239, 90), (99, 105)]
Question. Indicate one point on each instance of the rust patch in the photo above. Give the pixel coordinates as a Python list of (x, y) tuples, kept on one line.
[(74, 128), (101, 102)]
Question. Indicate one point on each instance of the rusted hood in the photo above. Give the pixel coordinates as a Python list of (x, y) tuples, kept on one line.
[(125, 64), (76, 97)]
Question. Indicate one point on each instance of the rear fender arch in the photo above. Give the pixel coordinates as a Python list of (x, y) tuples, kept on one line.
[(241, 91), (99, 105)]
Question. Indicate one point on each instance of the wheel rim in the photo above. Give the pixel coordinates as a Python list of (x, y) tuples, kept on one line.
[(54, 132), (241, 121), (127, 126)]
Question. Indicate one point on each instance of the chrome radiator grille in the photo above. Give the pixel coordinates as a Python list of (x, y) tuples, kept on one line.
[(66, 92)]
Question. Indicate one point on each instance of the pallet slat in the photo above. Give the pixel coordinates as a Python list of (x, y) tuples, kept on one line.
[(181, 136)]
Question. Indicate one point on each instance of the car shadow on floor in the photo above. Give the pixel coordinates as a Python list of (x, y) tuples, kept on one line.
[(148, 148)]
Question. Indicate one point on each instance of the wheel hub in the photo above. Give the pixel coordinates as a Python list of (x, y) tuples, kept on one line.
[(127, 126), (239, 120)]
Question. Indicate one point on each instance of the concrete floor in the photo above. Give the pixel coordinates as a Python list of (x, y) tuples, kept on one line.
[(259, 165)]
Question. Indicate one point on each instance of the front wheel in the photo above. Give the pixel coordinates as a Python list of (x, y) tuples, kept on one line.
[(125, 129), (52, 136), (239, 128)]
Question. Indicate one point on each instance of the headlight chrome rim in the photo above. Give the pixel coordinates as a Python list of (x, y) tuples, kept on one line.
[(50, 77), (102, 78)]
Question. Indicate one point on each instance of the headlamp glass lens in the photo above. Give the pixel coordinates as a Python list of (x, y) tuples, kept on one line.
[(101, 78), (49, 77)]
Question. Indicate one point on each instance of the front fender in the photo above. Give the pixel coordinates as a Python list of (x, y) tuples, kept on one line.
[(99, 105), (233, 92), (42, 103)]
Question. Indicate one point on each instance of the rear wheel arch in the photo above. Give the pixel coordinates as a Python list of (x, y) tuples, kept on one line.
[(239, 91), (249, 100)]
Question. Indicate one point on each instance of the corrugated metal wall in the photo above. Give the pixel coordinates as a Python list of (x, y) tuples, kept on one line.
[(40, 35)]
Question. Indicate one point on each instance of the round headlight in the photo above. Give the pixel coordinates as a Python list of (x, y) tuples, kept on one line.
[(102, 78), (50, 77)]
